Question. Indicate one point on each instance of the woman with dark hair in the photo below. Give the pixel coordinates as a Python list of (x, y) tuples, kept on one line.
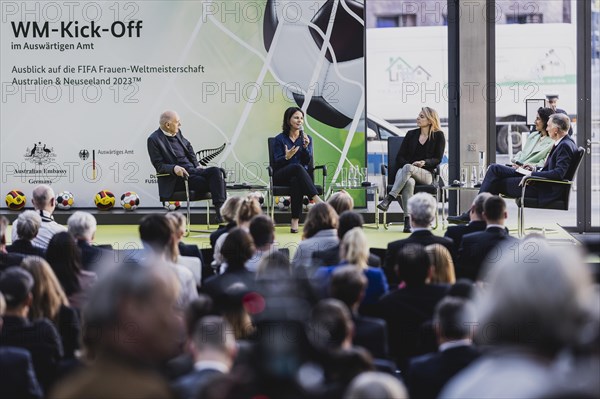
[(64, 257), (292, 154), (320, 233), (420, 153), (538, 144)]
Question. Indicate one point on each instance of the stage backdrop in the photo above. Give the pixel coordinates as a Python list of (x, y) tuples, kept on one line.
[(84, 83)]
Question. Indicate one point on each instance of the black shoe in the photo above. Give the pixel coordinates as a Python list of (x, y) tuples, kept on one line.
[(293, 231), (406, 225), (459, 219), (385, 204)]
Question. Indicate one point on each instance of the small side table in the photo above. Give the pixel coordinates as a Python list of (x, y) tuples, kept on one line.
[(458, 189)]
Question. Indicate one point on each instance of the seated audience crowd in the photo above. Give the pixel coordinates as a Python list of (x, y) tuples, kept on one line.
[(449, 317)]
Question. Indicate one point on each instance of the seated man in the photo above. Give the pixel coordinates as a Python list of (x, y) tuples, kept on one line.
[(477, 222), (172, 154), (501, 179)]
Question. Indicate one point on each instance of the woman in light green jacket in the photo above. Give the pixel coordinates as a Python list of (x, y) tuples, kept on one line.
[(538, 144)]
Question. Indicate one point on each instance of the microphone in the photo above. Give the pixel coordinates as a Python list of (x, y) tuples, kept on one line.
[(302, 135)]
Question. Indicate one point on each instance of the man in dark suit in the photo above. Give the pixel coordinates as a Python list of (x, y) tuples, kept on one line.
[(480, 248), (214, 350), (348, 284), (501, 179), (477, 223), (406, 309), (173, 155), (422, 208), (454, 321), (331, 256)]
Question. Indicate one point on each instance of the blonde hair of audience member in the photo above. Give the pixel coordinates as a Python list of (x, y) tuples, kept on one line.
[(546, 294), (229, 208), (442, 264), (2, 307), (354, 248), (341, 201), (376, 385), (433, 118), (322, 216), (48, 295), (179, 221), (240, 321), (246, 210)]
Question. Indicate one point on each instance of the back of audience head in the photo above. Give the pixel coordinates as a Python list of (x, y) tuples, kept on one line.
[(320, 217), (330, 325), (248, 207), (3, 226), (442, 264), (462, 288), (262, 231), (348, 284), (2, 308), (196, 310), (422, 208), (274, 265), (454, 319), (156, 232), (354, 248), (178, 221), (64, 257), (376, 385), (16, 285), (139, 296), (341, 202), (42, 197), (541, 299), (213, 337), (82, 225), (413, 265), (347, 221), (494, 210), (237, 249), (229, 208), (48, 295), (28, 225), (476, 210)]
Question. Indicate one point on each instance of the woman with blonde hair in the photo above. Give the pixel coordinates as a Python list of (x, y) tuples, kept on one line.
[(420, 153), (341, 201), (50, 302), (442, 265), (354, 250)]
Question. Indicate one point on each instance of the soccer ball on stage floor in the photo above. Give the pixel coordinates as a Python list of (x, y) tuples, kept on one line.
[(282, 202), (171, 205), (104, 200), (65, 200), (130, 201), (15, 200)]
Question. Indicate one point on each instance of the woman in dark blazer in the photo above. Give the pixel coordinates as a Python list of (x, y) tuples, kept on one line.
[(420, 153), (292, 154)]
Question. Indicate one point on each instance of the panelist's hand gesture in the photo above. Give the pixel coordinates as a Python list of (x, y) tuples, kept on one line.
[(291, 152), (305, 141), (179, 171), (419, 164)]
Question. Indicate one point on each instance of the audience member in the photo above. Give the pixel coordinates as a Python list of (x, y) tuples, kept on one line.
[(17, 379), (50, 302), (228, 212), (27, 227), (7, 259), (341, 202), (331, 256), (422, 208), (192, 263), (477, 223), (482, 246), (319, 234), (82, 225), (158, 237), (214, 349), (262, 231), (407, 308), (375, 385), (130, 295), (454, 324), (536, 307), (64, 257), (354, 251), (349, 284), (44, 203), (441, 263), (39, 337), (274, 265)]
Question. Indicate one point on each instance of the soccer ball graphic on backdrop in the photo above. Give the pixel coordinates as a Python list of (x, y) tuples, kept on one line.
[(130, 201), (15, 200), (65, 200), (339, 85), (104, 200), (171, 205)]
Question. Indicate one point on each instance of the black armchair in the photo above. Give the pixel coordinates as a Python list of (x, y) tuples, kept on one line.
[(389, 175), (285, 190)]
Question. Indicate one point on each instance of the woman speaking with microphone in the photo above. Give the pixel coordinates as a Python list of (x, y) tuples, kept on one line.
[(293, 153)]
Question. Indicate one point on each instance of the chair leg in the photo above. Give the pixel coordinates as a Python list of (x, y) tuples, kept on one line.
[(208, 214), (520, 221), (189, 218)]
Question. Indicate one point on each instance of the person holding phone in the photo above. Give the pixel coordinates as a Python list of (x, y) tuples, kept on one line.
[(538, 144), (292, 154)]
